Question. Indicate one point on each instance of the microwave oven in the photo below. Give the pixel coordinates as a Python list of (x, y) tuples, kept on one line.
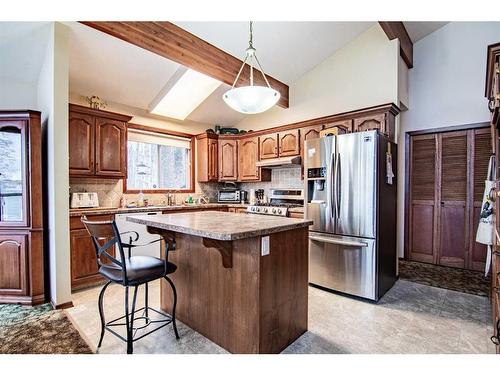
[(228, 196)]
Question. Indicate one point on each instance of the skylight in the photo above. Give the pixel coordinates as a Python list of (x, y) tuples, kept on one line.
[(183, 94)]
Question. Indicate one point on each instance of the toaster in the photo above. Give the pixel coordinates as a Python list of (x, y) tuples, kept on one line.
[(84, 200)]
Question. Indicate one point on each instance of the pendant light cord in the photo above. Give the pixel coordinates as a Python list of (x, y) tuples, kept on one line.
[(251, 57)]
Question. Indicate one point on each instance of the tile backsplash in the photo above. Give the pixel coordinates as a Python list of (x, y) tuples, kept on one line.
[(110, 191)]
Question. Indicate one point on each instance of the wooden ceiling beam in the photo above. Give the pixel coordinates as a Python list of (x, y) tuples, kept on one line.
[(176, 44), (395, 30)]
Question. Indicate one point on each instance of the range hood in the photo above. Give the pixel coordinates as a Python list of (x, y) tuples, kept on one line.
[(279, 162)]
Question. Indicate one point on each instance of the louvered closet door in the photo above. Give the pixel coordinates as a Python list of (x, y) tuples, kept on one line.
[(454, 209), (481, 149), (423, 182)]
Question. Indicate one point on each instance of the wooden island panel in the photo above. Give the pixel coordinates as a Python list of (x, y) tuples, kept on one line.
[(259, 305)]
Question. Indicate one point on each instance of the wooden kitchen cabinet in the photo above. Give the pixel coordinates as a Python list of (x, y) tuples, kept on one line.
[(81, 144), (268, 146), (97, 143), (110, 148), (342, 127), (207, 151), (248, 155), (84, 269), (386, 125), (274, 145), (289, 143), (228, 159)]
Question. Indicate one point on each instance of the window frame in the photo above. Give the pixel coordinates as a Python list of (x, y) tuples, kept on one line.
[(153, 130)]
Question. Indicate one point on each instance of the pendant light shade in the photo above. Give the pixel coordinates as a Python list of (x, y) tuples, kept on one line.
[(251, 99)]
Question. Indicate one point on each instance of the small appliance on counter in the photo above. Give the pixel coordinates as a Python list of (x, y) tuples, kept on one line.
[(243, 196), (84, 200), (229, 193)]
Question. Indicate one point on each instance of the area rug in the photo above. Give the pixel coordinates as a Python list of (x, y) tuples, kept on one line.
[(465, 281), (38, 330)]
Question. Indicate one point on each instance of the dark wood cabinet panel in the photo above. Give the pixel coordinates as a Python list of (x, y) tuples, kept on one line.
[(13, 264), (268, 146), (447, 173), (84, 269), (422, 229), (454, 236), (81, 143), (97, 143), (110, 148), (228, 160), (21, 213), (289, 143), (422, 232)]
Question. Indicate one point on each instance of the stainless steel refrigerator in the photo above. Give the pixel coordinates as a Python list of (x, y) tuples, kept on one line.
[(350, 187)]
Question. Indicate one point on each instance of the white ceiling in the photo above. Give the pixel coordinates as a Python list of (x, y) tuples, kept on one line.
[(22, 50), (123, 73), (419, 30), (286, 50)]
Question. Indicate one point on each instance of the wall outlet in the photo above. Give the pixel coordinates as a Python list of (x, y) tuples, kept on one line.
[(265, 246)]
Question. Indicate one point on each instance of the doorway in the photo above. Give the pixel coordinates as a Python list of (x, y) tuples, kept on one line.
[(445, 174)]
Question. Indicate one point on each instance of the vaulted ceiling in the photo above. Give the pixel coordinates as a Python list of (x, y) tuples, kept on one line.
[(124, 73)]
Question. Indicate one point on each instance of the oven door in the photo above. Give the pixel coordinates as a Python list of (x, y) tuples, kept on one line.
[(344, 264)]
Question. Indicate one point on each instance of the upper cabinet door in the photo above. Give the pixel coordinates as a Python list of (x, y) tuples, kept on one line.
[(228, 160), (81, 144), (268, 145), (213, 158), (374, 122), (344, 126), (111, 148), (13, 202), (248, 149), (289, 143)]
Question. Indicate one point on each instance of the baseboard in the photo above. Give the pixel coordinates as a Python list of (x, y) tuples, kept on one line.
[(65, 305)]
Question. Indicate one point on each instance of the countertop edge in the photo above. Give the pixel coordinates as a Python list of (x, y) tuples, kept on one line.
[(300, 223)]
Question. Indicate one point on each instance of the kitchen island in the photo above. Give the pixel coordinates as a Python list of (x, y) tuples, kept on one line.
[(241, 280)]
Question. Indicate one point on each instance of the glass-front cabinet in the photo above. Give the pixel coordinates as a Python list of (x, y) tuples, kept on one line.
[(12, 174)]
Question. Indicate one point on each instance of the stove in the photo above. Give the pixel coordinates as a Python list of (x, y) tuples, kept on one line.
[(280, 201)]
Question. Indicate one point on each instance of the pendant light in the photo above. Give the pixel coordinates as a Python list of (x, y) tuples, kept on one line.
[(251, 99)]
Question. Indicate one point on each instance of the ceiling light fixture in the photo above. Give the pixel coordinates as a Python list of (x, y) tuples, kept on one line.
[(251, 99)]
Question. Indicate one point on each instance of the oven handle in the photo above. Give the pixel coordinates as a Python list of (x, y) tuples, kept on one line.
[(337, 241)]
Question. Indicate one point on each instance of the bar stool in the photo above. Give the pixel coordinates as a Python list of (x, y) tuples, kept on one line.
[(130, 271)]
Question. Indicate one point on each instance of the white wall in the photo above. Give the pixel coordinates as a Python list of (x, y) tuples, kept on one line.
[(52, 94), (17, 95), (363, 73), (446, 86)]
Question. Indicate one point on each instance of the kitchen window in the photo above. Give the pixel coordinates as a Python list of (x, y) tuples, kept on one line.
[(158, 162)]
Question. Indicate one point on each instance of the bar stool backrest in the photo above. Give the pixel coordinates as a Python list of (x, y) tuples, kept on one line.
[(105, 235)]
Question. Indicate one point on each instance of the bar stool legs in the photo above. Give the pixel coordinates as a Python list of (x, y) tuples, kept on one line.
[(173, 308), (101, 313)]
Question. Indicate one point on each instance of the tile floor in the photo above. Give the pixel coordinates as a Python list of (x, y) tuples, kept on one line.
[(410, 318)]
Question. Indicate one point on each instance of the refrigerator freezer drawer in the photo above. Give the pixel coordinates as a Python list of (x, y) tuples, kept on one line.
[(344, 264)]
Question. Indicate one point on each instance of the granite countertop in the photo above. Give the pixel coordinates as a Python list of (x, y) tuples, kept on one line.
[(221, 225), (119, 210)]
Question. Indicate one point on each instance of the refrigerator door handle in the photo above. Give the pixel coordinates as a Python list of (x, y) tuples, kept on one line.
[(337, 241), (337, 184), (332, 194)]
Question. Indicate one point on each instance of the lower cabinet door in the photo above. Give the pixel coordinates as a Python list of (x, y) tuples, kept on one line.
[(84, 269), (13, 264)]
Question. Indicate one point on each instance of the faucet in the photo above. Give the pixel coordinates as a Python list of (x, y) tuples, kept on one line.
[(170, 199)]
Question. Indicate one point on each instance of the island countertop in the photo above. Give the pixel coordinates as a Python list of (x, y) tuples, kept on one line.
[(221, 225)]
